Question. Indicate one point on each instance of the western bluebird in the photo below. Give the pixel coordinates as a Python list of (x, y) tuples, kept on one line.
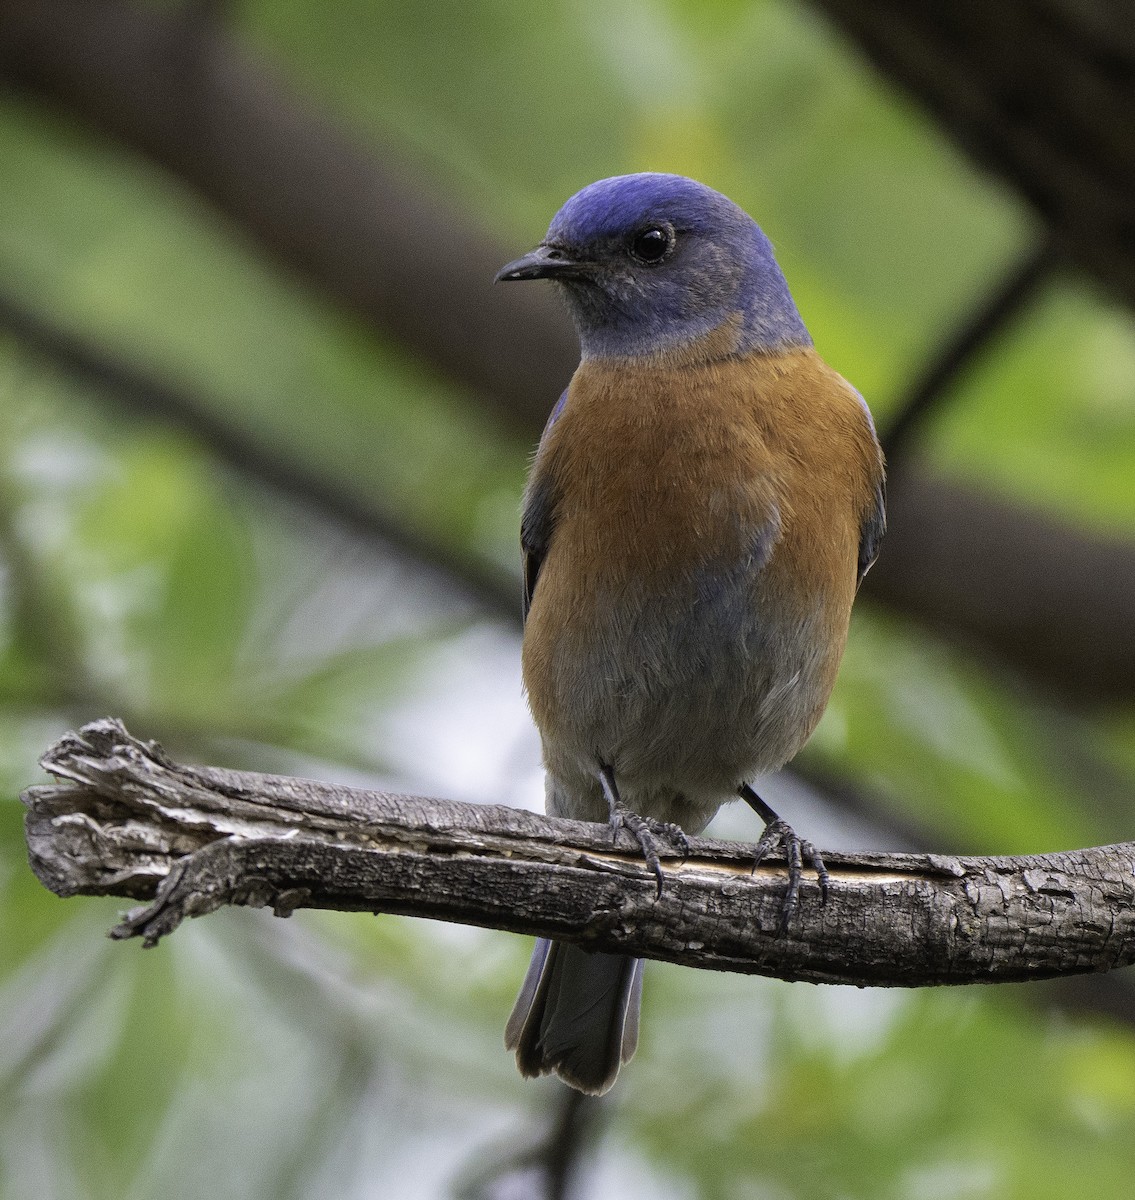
[(705, 499)]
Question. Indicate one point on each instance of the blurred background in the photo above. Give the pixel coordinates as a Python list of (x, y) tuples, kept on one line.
[(266, 424)]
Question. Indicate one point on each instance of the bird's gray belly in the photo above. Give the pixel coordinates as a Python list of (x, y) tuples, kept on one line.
[(684, 698)]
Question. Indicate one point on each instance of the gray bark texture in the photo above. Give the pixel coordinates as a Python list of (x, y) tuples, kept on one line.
[(126, 820)]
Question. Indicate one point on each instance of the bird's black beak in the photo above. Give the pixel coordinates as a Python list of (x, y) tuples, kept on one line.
[(545, 262)]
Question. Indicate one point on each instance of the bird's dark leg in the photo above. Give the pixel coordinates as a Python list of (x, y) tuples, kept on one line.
[(779, 833), (645, 829)]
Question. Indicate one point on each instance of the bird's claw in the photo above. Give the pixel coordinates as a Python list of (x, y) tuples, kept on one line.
[(779, 833), (647, 831)]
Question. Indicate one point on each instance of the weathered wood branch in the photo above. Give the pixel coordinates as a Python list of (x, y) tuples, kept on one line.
[(126, 820)]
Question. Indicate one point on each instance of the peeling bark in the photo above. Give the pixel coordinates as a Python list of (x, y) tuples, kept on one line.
[(126, 820)]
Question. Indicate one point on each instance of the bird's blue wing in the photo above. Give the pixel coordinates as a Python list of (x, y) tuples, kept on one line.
[(538, 517), (872, 530), (874, 523)]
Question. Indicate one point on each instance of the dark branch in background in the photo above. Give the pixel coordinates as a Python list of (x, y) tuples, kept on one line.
[(182, 92), (197, 104), (131, 822), (249, 457), (960, 352), (576, 1124), (1042, 95), (547, 1167), (1053, 601)]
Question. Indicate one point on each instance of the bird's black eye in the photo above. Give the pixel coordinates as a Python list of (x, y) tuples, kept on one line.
[(652, 244)]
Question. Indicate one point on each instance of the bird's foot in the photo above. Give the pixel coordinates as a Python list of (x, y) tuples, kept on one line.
[(648, 832), (778, 832)]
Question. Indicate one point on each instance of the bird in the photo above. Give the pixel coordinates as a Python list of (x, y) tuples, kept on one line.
[(705, 499)]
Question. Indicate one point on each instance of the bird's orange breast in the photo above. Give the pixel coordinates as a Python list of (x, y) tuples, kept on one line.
[(658, 470)]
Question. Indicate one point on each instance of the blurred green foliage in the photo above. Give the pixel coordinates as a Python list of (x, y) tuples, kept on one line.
[(340, 1056)]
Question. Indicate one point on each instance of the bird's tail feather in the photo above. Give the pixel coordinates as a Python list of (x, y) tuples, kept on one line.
[(576, 1015)]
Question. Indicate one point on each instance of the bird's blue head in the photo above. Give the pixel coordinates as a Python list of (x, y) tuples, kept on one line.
[(653, 263)]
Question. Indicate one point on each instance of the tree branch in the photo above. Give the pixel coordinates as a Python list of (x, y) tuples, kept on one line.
[(186, 94), (128, 821), (1052, 601), (1038, 94), (965, 345)]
